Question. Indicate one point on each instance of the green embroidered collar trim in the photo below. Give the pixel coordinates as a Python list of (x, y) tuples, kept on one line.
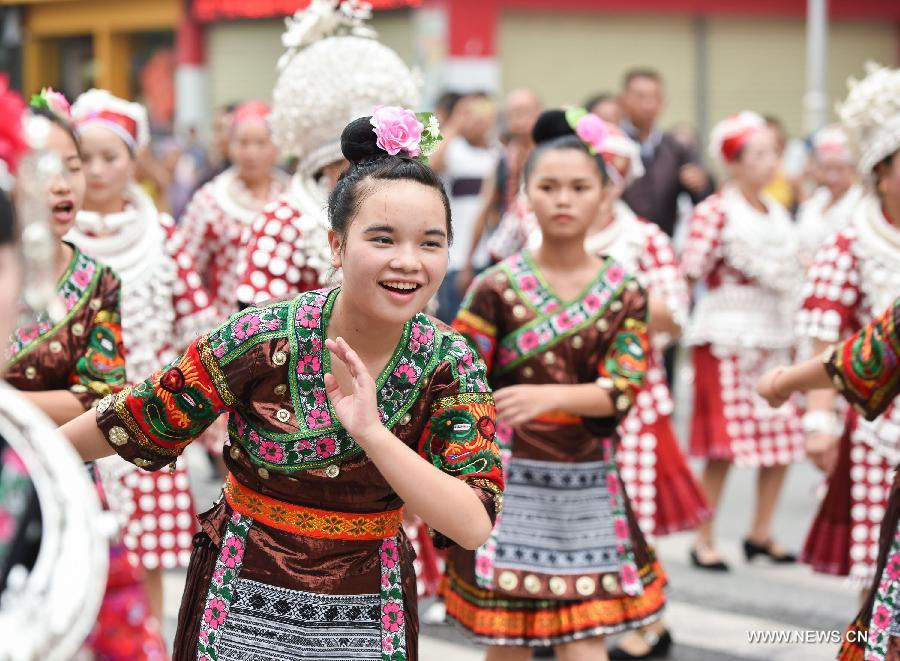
[(320, 439), (75, 287)]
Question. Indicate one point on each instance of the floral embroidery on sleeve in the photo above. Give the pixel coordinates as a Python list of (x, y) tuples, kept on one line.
[(150, 424), (101, 369), (477, 319), (864, 367), (623, 367), (459, 436)]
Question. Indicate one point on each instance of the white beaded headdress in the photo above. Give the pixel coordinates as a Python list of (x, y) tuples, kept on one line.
[(334, 71), (871, 116)]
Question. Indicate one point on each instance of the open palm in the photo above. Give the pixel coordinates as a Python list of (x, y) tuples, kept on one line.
[(357, 410)]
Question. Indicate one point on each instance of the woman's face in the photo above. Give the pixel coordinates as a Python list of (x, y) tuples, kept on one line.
[(394, 254), (834, 172), (66, 192), (108, 168), (757, 163), (566, 192), (252, 150), (10, 285)]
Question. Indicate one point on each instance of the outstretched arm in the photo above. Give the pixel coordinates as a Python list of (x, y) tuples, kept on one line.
[(86, 437), (777, 385)]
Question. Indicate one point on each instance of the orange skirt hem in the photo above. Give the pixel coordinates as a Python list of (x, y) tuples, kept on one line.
[(494, 619)]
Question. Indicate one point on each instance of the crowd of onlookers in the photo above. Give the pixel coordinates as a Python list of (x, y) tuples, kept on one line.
[(485, 146)]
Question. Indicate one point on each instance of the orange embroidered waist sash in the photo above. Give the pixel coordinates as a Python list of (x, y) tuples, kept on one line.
[(309, 521)]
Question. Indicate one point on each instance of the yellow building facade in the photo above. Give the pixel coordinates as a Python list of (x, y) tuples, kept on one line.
[(109, 26)]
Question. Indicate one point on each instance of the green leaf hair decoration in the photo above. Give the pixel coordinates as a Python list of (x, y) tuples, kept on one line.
[(431, 135)]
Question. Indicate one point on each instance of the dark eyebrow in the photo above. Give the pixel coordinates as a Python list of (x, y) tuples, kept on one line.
[(554, 180), (379, 228), (436, 232)]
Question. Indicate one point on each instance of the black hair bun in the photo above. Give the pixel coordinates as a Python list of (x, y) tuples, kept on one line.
[(358, 141), (551, 125)]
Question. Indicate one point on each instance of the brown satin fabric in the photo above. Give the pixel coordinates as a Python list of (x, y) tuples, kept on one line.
[(276, 557), (279, 558), (53, 370), (573, 361)]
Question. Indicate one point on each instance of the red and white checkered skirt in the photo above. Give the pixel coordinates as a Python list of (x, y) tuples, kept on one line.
[(664, 494), (162, 521), (843, 538), (730, 421)]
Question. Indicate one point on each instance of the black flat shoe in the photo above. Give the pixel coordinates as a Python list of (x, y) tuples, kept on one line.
[(660, 646), (718, 565), (751, 550)]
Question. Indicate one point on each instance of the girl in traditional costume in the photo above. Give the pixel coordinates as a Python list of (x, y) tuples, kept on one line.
[(304, 557), (863, 369), (68, 358), (334, 70), (564, 336), (53, 551), (743, 247), (664, 494), (854, 276), (163, 307)]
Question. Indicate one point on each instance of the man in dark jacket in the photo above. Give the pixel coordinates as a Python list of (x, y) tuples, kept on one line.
[(670, 167)]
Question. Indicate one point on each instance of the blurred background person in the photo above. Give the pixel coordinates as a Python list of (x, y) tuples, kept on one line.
[(855, 275), (120, 226), (606, 106), (218, 159), (787, 186), (499, 191), (742, 245), (837, 191), (465, 158), (669, 167)]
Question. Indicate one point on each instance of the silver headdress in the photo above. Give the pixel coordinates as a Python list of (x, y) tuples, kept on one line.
[(334, 71), (871, 116)]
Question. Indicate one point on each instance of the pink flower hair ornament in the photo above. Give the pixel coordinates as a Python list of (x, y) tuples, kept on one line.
[(400, 130), (53, 101), (589, 128)]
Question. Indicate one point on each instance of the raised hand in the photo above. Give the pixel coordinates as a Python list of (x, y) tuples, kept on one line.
[(357, 410)]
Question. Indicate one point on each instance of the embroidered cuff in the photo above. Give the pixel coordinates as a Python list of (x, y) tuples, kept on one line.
[(125, 437)]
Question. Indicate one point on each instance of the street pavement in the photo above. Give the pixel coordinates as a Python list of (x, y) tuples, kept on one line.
[(711, 616)]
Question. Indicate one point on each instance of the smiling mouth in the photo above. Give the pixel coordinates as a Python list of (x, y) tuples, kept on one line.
[(398, 287)]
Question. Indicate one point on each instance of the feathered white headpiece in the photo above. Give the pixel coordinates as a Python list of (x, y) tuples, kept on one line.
[(871, 116)]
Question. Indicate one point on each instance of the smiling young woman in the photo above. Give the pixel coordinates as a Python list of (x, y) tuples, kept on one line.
[(328, 442)]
